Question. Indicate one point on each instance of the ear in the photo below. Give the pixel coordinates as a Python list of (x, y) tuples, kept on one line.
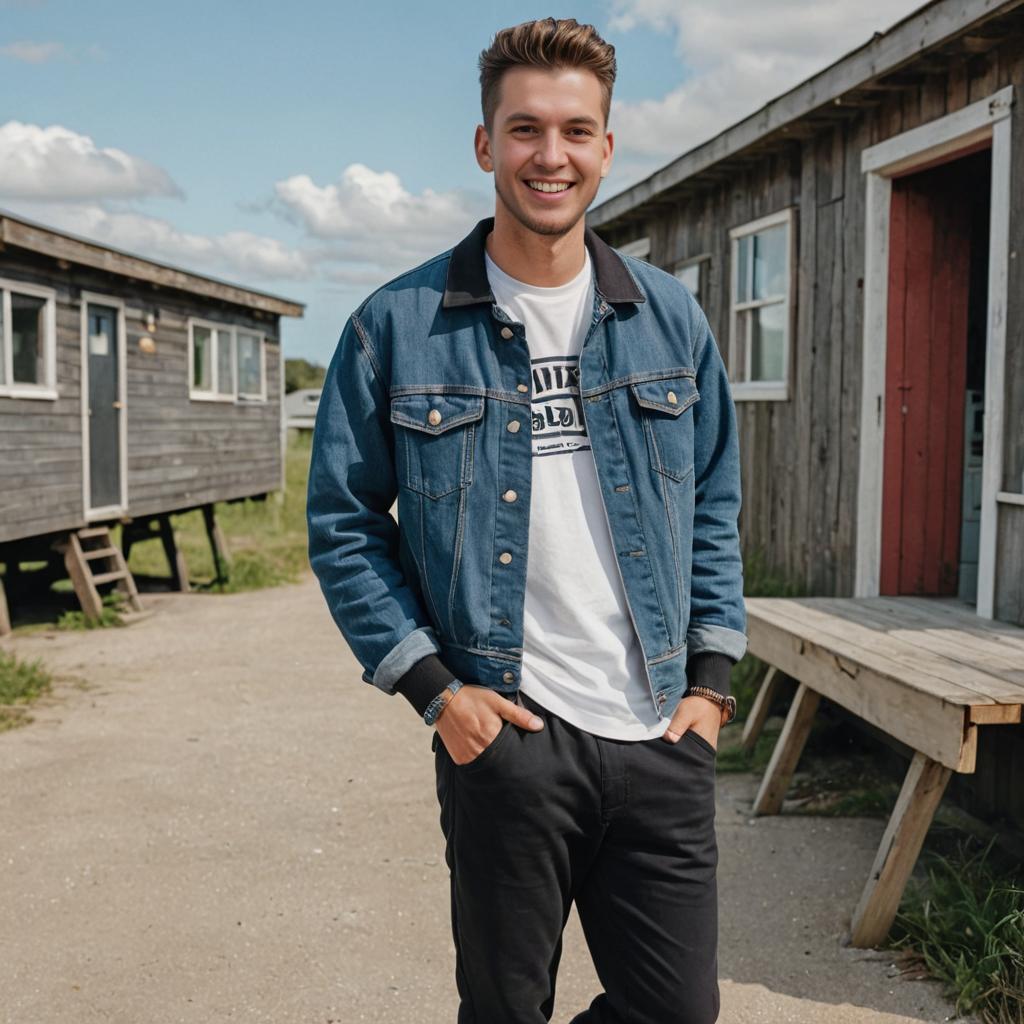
[(482, 146), (609, 148)]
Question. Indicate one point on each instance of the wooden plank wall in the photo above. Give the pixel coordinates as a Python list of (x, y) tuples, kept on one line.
[(180, 452), (800, 457)]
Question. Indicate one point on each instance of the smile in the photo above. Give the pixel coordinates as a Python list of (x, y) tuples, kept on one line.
[(549, 186)]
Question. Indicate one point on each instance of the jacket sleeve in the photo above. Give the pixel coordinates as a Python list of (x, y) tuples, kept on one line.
[(716, 634), (353, 539)]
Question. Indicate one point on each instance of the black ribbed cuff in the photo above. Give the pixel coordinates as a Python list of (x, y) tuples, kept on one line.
[(423, 682), (711, 669)]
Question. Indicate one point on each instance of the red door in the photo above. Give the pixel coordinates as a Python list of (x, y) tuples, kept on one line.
[(926, 367)]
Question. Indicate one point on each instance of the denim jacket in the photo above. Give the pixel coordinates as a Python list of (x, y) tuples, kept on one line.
[(427, 398)]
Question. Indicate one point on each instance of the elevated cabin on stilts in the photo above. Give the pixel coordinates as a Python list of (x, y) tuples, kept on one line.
[(130, 390), (858, 247)]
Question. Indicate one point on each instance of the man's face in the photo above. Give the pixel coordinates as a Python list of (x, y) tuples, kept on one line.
[(548, 147)]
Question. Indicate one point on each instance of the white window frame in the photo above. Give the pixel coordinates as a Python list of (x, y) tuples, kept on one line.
[(743, 388), (261, 395), (48, 389), (639, 247), (212, 395)]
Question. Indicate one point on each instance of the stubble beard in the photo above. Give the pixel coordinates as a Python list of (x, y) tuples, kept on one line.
[(536, 226)]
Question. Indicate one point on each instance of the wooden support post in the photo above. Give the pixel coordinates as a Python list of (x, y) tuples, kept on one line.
[(218, 545), (175, 556), (5, 615), (770, 686), (919, 798), (787, 751)]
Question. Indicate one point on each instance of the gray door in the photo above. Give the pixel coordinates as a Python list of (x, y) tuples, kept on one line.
[(104, 407)]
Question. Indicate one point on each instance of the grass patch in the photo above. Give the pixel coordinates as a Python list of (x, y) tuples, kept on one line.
[(964, 923), (110, 614), (266, 540), (21, 682)]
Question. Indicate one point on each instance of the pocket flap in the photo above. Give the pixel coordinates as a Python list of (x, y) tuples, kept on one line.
[(451, 410), (669, 395)]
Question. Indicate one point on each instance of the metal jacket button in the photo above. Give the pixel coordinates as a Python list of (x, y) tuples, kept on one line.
[(434, 417), (510, 495), (513, 426), (522, 387), (506, 332), (671, 396), (509, 677), (505, 557)]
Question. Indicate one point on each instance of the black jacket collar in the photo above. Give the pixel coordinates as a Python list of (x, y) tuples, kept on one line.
[(467, 282)]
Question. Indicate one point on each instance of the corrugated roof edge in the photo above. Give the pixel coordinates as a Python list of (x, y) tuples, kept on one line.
[(19, 231)]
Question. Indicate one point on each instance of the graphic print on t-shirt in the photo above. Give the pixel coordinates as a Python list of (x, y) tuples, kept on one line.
[(558, 426)]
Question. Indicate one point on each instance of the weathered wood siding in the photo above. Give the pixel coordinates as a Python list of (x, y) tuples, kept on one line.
[(181, 452), (800, 457)]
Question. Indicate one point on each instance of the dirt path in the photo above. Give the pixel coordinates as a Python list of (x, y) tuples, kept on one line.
[(227, 824)]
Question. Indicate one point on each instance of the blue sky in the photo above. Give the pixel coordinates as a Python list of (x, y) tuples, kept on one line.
[(316, 149)]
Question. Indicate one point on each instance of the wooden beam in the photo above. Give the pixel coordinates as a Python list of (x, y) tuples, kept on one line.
[(770, 686), (175, 556), (922, 790), (41, 239), (787, 751), (81, 577), (935, 25), (218, 545), (5, 615)]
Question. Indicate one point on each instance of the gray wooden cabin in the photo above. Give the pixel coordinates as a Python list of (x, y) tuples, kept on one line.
[(858, 247), (129, 390)]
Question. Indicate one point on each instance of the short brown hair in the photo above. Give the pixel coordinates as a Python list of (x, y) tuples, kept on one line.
[(546, 43)]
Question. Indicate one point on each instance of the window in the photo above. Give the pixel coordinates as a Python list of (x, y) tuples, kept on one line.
[(693, 273), (760, 308), (250, 365), (225, 363), (28, 345)]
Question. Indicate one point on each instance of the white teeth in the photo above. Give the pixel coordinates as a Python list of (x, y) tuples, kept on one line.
[(548, 186)]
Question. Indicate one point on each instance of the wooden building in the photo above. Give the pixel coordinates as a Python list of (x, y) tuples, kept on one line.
[(858, 247), (129, 390)]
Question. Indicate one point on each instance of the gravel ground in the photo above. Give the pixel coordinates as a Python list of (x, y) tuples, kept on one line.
[(212, 818)]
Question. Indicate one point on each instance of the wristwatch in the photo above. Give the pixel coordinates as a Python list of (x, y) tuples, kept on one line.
[(438, 704), (727, 703)]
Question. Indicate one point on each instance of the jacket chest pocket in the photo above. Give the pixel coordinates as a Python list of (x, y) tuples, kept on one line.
[(667, 423), (435, 441)]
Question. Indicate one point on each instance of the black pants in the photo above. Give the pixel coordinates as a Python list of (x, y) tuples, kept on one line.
[(624, 828)]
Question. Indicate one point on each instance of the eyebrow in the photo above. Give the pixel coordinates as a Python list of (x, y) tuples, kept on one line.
[(581, 119)]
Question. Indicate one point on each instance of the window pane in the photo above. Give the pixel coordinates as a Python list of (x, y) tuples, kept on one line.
[(767, 342), (27, 334), (202, 343), (770, 263), (225, 367), (743, 246), (250, 377), (690, 276)]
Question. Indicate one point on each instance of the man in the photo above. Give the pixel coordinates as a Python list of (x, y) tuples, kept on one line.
[(561, 599)]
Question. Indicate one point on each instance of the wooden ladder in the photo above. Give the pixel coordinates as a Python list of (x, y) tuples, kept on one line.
[(89, 549)]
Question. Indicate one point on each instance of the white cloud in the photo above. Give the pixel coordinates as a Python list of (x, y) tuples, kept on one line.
[(374, 225), (735, 58), (238, 255), (56, 163), (32, 53)]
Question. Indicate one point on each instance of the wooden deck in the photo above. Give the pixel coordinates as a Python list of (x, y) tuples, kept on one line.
[(927, 671)]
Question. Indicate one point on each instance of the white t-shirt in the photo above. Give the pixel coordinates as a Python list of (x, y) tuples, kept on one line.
[(581, 656)]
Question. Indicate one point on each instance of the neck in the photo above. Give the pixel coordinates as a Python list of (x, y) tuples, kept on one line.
[(543, 260)]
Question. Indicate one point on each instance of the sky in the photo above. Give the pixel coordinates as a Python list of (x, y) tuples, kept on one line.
[(315, 150)]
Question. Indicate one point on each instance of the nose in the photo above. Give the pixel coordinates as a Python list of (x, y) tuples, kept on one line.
[(550, 152)]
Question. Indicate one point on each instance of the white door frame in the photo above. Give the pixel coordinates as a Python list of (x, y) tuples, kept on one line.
[(87, 299), (987, 119)]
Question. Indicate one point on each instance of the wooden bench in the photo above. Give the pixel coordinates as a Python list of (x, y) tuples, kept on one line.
[(925, 670)]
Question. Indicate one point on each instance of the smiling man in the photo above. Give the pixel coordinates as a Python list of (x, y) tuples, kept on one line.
[(561, 598)]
